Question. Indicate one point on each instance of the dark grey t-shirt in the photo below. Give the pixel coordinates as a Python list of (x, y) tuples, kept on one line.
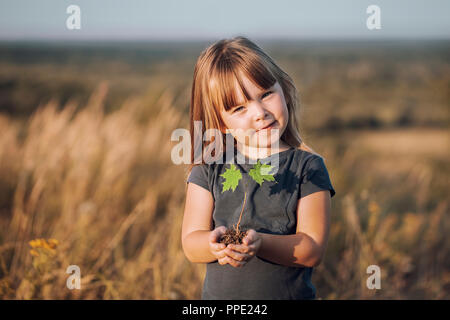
[(270, 208)]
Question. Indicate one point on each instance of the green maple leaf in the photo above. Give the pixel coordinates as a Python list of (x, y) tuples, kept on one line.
[(260, 172), (232, 176)]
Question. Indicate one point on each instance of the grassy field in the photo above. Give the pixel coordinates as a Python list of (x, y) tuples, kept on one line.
[(86, 176)]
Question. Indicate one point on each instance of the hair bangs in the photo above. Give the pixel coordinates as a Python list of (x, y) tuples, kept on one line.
[(223, 85), (227, 77), (256, 69)]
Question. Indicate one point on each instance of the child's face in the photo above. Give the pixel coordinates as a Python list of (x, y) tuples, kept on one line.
[(264, 107)]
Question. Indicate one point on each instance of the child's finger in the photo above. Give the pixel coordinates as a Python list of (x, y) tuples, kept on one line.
[(250, 237), (217, 246), (251, 250), (239, 248), (236, 255), (214, 236), (222, 261), (232, 262), (220, 254)]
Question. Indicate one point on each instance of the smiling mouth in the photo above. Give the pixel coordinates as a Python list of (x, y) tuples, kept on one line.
[(267, 127)]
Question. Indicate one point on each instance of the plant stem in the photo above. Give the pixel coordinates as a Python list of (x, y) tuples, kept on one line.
[(243, 206)]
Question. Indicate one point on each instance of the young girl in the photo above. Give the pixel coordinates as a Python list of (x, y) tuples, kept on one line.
[(236, 85)]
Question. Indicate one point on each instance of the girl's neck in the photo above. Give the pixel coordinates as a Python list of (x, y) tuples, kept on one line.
[(260, 152)]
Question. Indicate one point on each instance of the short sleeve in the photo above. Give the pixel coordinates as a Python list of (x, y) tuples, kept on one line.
[(315, 178), (199, 176)]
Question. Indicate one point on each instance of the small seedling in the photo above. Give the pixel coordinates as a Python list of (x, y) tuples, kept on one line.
[(232, 176)]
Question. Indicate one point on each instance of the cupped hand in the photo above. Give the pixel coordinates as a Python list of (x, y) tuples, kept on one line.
[(247, 250), (223, 253)]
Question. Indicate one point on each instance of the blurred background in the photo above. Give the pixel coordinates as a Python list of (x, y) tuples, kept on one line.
[(86, 115)]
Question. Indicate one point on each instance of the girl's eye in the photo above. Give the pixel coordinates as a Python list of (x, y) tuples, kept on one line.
[(238, 109), (268, 93)]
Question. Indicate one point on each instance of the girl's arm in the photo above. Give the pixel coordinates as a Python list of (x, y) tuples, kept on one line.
[(306, 247), (197, 224), (200, 244)]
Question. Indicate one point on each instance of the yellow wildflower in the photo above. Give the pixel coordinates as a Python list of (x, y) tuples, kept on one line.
[(45, 245), (33, 243), (49, 245), (53, 243)]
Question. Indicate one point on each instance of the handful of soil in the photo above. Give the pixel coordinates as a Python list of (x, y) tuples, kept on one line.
[(232, 236)]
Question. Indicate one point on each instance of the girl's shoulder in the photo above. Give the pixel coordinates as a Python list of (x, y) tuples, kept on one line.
[(305, 156)]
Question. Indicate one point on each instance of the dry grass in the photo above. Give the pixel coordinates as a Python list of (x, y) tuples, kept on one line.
[(409, 142), (105, 188), (103, 185)]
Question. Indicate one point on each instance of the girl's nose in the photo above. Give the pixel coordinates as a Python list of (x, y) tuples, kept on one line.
[(260, 111)]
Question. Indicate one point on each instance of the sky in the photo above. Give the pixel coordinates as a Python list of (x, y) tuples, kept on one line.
[(210, 19)]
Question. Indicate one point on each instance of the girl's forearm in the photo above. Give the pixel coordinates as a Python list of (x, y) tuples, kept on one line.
[(296, 250), (196, 247)]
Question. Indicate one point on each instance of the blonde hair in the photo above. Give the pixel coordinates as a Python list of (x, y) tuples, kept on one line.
[(213, 89)]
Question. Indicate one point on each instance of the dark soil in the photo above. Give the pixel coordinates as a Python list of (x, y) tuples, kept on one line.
[(232, 237)]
